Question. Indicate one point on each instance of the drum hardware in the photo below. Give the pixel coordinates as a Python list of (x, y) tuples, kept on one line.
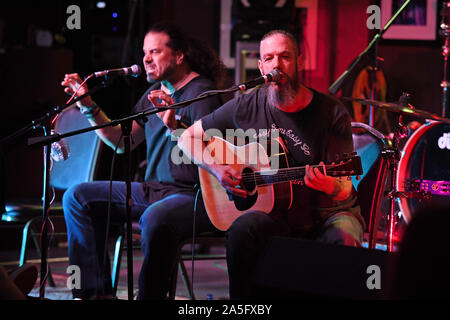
[(420, 195), (428, 186), (391, 154), (407, 109), (445, 34)]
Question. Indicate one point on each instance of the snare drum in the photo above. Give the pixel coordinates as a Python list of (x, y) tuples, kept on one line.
[(424, 168)]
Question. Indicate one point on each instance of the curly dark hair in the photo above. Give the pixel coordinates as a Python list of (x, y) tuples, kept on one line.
[(200, 57)]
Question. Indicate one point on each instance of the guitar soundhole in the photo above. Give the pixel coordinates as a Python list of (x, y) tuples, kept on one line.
[(248, 183), (243, 204)]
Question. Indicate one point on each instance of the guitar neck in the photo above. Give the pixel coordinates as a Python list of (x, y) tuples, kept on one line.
[(266, 177), (272, 176)]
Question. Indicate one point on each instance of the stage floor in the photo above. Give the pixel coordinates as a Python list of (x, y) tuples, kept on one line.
[(210, 276)]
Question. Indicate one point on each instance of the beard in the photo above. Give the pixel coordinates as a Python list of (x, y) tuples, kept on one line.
[(285, 93), (166, 73)]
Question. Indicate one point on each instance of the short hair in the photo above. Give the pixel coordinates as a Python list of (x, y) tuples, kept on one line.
[(286, 34)]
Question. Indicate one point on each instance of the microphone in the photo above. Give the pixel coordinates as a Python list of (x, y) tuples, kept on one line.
[(273, 75), (134, 71), (60, 150)]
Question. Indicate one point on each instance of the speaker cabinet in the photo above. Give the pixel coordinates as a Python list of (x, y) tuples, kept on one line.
[(292, 268)]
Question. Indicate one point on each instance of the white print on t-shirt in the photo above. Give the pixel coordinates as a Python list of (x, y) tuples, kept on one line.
[(287, 133)]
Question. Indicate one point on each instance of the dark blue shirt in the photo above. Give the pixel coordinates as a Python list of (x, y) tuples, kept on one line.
[(163, 175)]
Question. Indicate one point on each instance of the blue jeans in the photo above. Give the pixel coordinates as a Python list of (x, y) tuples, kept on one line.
[(250, 234), (163, 225)]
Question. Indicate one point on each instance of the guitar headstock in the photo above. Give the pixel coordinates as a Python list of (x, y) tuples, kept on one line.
[(345, 165)]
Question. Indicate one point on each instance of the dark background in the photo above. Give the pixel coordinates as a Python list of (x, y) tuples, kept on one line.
[(30, 75)]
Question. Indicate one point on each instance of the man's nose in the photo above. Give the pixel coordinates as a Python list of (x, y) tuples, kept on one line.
[(147, 57), (276, 63)]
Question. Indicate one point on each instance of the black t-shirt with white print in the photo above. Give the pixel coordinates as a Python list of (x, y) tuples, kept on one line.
[(317, 133)]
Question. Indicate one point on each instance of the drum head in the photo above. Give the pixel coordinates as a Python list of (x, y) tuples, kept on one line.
[(425, 168)]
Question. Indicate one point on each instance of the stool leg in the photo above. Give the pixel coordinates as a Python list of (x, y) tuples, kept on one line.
[(173, 288), (185, 278), (23, 249)]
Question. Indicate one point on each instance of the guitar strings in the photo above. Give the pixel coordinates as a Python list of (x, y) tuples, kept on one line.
[(278, 175)]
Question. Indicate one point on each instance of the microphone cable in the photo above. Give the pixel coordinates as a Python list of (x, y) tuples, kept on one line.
[(46, 219), (108, 215), (73, 96), (193, 237)]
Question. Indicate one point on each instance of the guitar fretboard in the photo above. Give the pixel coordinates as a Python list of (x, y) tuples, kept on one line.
[(271, 176)]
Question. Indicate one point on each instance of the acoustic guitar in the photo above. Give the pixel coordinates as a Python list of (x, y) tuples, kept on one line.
[(267, 180)]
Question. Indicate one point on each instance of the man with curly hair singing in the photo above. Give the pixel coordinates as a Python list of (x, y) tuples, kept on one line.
[(179, 68)]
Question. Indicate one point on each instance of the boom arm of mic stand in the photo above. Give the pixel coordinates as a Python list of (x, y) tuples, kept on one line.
[(334, 88), (41, 141), (37, 123)]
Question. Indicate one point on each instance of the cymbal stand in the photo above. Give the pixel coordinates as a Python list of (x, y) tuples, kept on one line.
[(445, 33), (392, 156)]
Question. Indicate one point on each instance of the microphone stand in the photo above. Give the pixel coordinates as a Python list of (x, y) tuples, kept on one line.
[(37, 124), (126, 132), (125, 123), (335, 87)]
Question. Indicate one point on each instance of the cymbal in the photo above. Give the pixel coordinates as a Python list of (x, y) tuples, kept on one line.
[(405, 110)]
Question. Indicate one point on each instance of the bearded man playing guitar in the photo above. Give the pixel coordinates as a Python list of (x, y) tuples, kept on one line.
[(313, 128)]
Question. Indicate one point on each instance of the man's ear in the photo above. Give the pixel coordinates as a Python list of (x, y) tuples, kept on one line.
[(260, 67), (300, 62), (179, 58)]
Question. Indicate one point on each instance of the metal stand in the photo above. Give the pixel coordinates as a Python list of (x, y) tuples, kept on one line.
[(126, 130), (445, 33), (45, 211), (373, 83), (41, 123), (392, 156), (334, 88)]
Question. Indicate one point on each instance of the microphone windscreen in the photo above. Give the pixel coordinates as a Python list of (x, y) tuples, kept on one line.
[(276, 75), (60, 150), (136, 70)]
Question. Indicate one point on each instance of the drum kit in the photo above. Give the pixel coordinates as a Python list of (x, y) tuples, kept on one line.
[(420, 171)]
